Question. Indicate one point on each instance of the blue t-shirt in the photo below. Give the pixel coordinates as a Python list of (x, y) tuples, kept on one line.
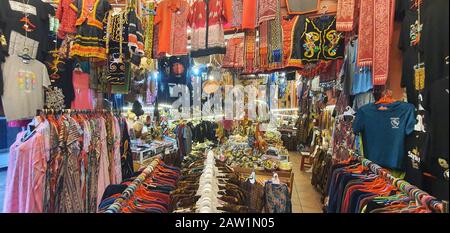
[(362, 76), (384, 132)]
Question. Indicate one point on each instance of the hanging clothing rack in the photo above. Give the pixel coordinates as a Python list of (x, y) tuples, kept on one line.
[(74, 111), (129, 191), (421, 197)]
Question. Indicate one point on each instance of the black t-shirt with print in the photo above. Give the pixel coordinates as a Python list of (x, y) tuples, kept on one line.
[(434, 41), (436, 102), (11, 13), (415, 147), (408, 16), (172, 71), (60, 74)]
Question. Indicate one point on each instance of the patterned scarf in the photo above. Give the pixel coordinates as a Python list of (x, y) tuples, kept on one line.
[(237, 13), (345, 19), (234, 57), (267, 10), (375, 31), (250, 47), (276, 41), (264, 45), (384, 10), (365, 33)]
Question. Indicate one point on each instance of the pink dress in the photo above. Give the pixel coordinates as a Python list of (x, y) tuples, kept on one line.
[(83, 95), (25, 180), (103, 172)]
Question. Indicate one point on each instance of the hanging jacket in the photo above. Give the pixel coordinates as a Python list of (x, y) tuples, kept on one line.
[(206, 19), (92, 11)]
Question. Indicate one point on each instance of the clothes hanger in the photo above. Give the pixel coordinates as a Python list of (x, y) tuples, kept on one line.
[(348, 112), (275, 178), (25, 55), (322, 12), (386, 99), (78, 67), (252, 177)]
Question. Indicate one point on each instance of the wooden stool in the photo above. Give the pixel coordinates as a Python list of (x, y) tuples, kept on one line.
[(305, 160)]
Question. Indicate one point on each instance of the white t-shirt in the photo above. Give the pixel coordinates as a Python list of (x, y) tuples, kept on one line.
[(23, 87)]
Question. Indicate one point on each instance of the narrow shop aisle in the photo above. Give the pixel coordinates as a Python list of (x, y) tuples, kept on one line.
[(305, 199)]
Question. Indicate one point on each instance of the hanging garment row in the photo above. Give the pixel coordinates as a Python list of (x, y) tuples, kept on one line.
[(149, 192), (360, 186), (208, 185), (64, 162)]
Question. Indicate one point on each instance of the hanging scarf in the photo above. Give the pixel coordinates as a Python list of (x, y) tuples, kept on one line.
[(250, 47), (345, 15), (384, 10), (264, 45), (365, 33), (267, 10), (375, 32), (276, 41)]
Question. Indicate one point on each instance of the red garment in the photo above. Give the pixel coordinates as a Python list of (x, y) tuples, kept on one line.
[(227, 125), (267, 10), (83, 95), (234, 58), (346, 199), (171, 18), (215, 16), (66, 13)]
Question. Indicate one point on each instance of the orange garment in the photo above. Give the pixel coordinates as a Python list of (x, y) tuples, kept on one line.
[(249, 14), (163, 19), (89, 12), (228, 9)]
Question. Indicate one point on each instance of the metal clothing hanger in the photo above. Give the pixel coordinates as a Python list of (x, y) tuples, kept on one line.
[(25, 55), (275, 178)]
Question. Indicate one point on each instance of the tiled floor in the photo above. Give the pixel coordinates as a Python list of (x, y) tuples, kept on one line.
[(305, 199)]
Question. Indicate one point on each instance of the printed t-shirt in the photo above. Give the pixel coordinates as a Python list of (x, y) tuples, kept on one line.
[(171, 16), (12, 11), (434, 42), (436, 102), (23, 92), (415, 147), (384, 132)]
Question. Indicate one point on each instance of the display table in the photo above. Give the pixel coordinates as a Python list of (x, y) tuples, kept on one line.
[(286, 177), (143, 154)]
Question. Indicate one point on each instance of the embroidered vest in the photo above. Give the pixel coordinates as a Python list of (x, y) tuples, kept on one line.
[(93, 15), (321, 41)]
